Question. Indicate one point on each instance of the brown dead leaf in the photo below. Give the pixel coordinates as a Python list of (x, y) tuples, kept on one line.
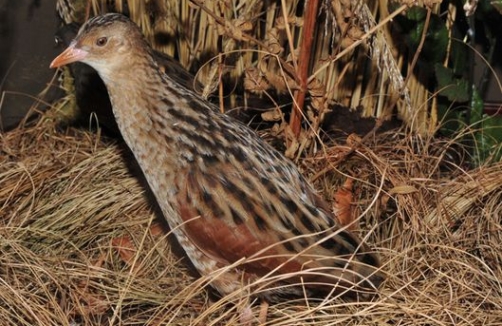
[(343, 204), (125, 248)]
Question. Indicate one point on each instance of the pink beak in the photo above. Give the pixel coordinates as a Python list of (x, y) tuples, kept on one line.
[(71, 54)]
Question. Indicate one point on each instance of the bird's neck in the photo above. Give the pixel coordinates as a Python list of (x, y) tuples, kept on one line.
[(156, 114)]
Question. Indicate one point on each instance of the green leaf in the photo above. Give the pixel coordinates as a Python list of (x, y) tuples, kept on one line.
[(459, 54), (416, 14), (436, 37), (477, 107), (488, 134), (455, 89)]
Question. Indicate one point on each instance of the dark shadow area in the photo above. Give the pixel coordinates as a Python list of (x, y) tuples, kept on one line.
[(26, 50)]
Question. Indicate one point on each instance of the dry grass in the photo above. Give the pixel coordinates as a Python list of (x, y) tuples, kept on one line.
[(77, 246), (81, 244), (253, 49)]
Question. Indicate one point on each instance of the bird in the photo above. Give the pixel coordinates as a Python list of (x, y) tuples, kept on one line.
[(234, 203)]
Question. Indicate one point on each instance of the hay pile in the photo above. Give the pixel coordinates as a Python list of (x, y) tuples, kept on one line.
[(81, 245), (255, 54)]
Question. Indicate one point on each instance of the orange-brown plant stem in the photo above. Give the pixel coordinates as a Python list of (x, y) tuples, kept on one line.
[(311, 11)]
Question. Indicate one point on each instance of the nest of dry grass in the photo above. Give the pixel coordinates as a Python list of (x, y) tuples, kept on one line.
[(81, 244)]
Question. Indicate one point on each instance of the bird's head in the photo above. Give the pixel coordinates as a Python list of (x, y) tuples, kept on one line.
[(104, 43)]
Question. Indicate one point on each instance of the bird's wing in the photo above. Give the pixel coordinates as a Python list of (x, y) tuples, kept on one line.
[(244, 213)]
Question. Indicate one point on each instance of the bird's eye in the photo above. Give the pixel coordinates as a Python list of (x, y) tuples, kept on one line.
[(101, 41), (58, 40)]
